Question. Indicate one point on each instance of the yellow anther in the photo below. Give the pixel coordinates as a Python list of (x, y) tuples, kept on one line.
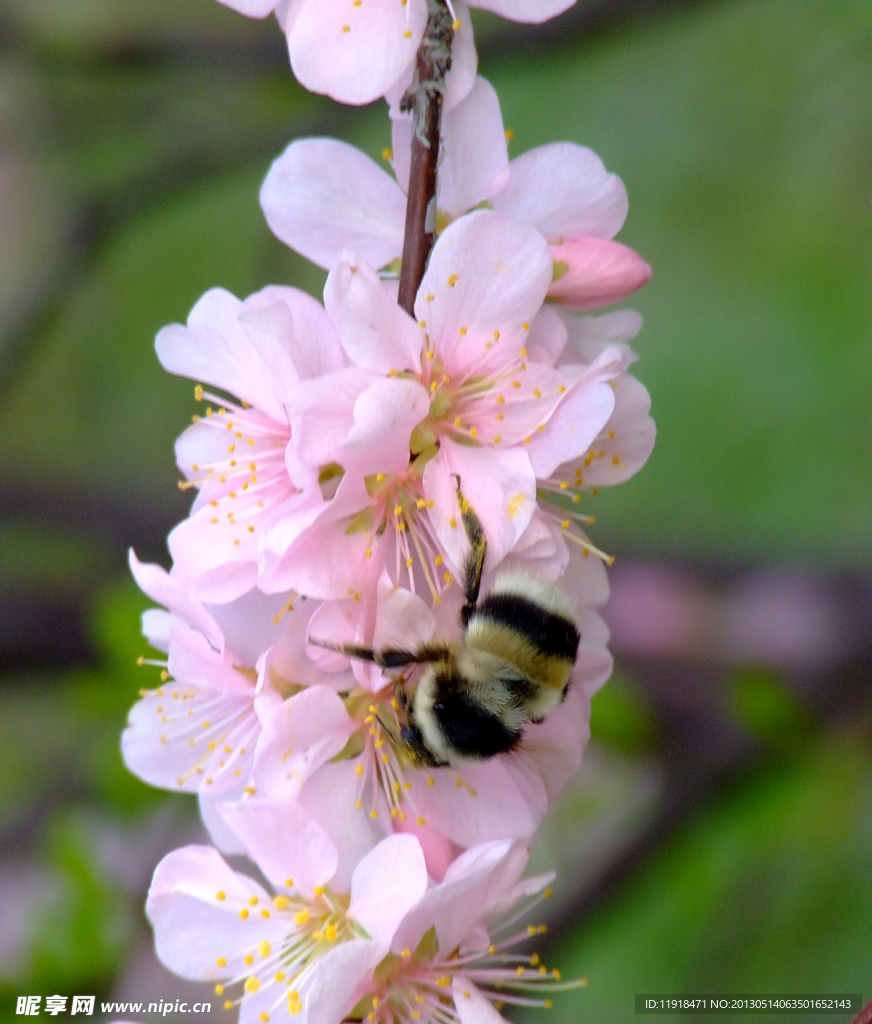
[(219, 989), (281, 902), (243, 913), (252, 901), (280, 976), (252, 984), (221, 895), (302, 917), (289, 883), (330, 932), (248, 960), (264, 949), (387, 154), (221, 961), (452, 280)]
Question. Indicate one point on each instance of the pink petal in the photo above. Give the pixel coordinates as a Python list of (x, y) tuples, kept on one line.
[(375, 333), (475, 164), (487, 276), (248, 358), (193, 927), (330, 796), (322, 196), (472, 1007), (403, 619), (291, 849), (164, 589), (556, 744), (589, 335), (563, 189), (386, 885), (222, 836), (336, 979), (311, 341), (497, 799), (439, 852), (586, 580), (578, 419), (455, 905), (548, 337), (500, 486), (384, 417), (354, 54), (322, 413), (474, 161), (326, 558), (541, 549), (628, 440), (298, 736), (251, 8), (594, 663), (529, 11), (289, 665), (156, 745), (207, 554), (249, 625), (591, 272)]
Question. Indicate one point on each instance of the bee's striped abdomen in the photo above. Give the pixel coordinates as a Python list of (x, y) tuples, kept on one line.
[(551, 634)]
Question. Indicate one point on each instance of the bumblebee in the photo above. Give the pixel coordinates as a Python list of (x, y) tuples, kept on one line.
[(512, 665)]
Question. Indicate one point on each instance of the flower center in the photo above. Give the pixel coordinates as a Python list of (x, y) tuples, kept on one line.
[(314, 926)]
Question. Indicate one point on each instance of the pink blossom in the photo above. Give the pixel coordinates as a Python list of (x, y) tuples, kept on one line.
[(453, 958), (626, 440), (239, 457), (372, 789), (323, 196), (307, 949), (467, 400), (357, 53), (199, 731)]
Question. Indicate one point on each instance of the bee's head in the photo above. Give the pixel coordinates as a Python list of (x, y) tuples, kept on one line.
[(418, 752)]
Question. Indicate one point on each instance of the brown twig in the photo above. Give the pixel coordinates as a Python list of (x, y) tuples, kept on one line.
[(424, 100)]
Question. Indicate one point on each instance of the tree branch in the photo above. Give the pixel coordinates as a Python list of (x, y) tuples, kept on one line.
[(424, 100)]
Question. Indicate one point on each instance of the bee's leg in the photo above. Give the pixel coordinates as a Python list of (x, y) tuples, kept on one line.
[(474, 567), (390, 657)]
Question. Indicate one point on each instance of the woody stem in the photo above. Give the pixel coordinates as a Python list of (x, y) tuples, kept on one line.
[(423, 99)]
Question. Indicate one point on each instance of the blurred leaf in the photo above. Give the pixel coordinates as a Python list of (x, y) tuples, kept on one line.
[(114, 413), (78, 936), (760, 701), (768, 892), (621, 716), (743, 134), (34, 556)]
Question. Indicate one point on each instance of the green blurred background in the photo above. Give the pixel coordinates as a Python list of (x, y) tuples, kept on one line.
[(719, 838)]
